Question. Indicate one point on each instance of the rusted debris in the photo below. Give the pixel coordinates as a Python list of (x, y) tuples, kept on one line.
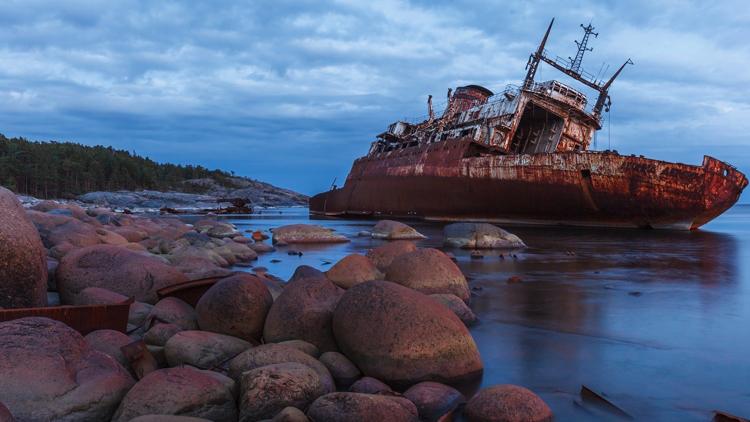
[(141, 360), (720, 416), (590, 396), (515, 279), (189, 291), (522, 156), (83, 318)]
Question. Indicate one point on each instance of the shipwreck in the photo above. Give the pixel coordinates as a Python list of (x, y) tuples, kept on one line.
[(522, 156)]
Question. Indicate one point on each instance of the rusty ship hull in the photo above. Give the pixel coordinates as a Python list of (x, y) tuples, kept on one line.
[(522, 156), (593, 189)]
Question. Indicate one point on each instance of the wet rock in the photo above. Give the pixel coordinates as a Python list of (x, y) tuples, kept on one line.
[(370, 385), (109, 343), (269, 354), (159, 334), (349, 407), (479, 236), (507, 403), (23, 259), (344, 372), (306, 233), (269, 389), (403, 337), (395, 230), (117, 269), (458, 307), (260, 247), (175, 311), (49, 372), (303, 310), (434, 400), (352, 270), (235, 306), (383, 255), (202, 349), (182, 391), (290, 414), (429, 271), (302, 346)]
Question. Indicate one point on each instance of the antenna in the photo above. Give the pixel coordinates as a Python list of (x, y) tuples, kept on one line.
[(575, 64)]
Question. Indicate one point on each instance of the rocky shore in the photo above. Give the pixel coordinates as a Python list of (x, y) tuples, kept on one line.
[(377, 337)]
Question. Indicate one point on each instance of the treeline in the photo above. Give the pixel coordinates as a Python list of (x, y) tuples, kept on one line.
[(66, 169)]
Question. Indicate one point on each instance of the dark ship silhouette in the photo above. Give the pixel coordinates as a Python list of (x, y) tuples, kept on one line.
[(522, 156)]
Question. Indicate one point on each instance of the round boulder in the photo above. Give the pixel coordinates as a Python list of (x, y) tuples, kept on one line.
[(117, 269), (49, 372), (429, 271), (172, 310), (306, 233), (267, 390), (434, 401), (235, 306), (202, 349), (23, 259), (269, 354), (303, 310), (182, 391), (352, 270), (383, 255), (344, 372), (458, 307), (98, 296), (159, 334), (290, 414), (480, 236), (348, 407), (167, 418), (507, 403), (109, 342), (370, 385), (395, 230), (302, 346), (402, 337)]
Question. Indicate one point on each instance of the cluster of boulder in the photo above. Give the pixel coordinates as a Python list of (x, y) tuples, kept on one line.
[(381, 336)]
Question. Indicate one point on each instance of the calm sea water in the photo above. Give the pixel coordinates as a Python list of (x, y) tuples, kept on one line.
[(657, 321)]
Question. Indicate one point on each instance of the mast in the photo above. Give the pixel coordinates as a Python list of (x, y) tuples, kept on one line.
[(533, 62)]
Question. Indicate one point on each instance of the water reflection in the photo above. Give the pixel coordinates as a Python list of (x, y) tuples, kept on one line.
[(656, 320)]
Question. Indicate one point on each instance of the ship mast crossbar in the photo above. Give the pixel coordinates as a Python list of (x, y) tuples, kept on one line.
[(573, 70)]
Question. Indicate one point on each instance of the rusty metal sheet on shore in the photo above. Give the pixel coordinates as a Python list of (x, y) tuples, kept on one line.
[(84, 318)]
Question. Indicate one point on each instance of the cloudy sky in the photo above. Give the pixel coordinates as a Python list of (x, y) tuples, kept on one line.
[(291, 92)]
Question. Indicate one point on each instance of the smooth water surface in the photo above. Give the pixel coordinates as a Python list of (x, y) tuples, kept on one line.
[(658, 321)]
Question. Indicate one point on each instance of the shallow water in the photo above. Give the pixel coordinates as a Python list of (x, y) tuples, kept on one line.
[(658, 321)]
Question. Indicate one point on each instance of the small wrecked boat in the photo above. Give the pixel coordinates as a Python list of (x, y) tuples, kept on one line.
[(522, 156)]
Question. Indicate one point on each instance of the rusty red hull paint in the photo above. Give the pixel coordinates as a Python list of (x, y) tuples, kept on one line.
[(83, 318), (458, 181)]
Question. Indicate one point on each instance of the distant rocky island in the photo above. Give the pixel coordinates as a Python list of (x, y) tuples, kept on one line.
[(105, 176)]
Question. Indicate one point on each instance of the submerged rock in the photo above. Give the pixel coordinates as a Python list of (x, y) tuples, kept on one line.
[(352, 270), (306, 233), (23, 261), (501, 403), (117, 269), (395, 230), (348, 407), (429, 271), (182, 391), (480, 236), (402, 336), (49, 372)]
